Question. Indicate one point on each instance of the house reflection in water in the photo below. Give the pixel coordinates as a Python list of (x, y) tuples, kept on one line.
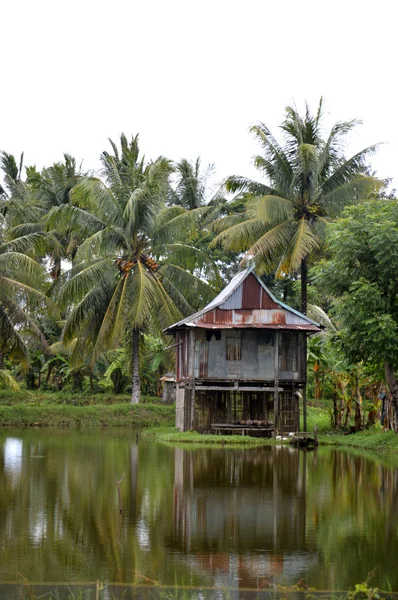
[(241, 516)]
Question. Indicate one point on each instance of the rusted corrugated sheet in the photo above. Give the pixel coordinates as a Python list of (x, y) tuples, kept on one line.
[(251, 293), (247, 302), (255, 326), (266, 300), (249, 317)]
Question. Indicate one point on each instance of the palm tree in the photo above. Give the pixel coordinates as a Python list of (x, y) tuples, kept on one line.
[(27, 204), (192, 185), (308, 179), (129, 270), (22, 294)]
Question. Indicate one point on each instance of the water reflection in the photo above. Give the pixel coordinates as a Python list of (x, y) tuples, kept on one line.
[(208, 516), (249, 504), (13, 456)]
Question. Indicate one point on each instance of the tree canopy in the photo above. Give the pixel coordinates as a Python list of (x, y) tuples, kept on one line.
[(308, 179)]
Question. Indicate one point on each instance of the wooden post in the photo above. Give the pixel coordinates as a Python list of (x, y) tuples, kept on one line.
[(304, 367), (192, 374), (276, 382)]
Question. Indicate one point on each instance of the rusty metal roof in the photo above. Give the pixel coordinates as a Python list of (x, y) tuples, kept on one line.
[(246, 302)]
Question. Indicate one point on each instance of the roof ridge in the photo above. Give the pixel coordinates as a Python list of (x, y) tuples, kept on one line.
[(227, 292)]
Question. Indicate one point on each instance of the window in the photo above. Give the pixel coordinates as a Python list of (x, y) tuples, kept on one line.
[(234, 348)]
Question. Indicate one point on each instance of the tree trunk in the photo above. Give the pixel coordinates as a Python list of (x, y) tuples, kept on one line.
[(136, 384), (393, 385), (77, 381), (304, 281), (336, 412), (358, 408), (1, 359), (318, 390)]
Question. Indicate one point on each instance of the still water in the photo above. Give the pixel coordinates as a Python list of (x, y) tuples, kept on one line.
[(201, 516)]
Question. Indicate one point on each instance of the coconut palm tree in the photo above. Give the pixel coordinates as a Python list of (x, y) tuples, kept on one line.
[(27, 202), (192, 189), (308, 179), (22, 295), (129, 270)]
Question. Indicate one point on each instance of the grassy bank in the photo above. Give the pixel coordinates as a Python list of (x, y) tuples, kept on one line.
[(373, 439), (73, 410), (68, 398), (68, 409), (170, 435)]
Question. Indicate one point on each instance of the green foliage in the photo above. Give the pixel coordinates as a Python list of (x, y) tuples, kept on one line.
[(308, 178), (362, 276), (116, 284), (171, 435), (70, 415)]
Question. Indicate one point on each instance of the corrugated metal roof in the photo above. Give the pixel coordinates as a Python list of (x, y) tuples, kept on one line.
[(226, 312)]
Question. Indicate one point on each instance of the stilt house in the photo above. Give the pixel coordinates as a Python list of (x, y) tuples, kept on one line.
[(241, 361)]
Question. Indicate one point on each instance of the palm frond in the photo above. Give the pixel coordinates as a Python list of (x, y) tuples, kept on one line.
[(18, 263), (86, 277), (8, 380), (167, 312), (196, 292), (318, 314), (240, 184), (180, 226), (354, 192), (142, 295), (271, 210), (11, 337), (187, 257), (275, 163), (92, 195), (106, 242), (350, 169), (267, 249), (179, 300), (224, 223), (305, 179), (303, 242), (113, 321), (67, 218), (37, 244), (241, 236), (85, 318)]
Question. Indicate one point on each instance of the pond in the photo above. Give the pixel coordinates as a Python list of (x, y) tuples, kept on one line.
[(198, 516)]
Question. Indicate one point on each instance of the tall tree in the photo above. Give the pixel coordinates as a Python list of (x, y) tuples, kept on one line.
[(192, 186), (362, 275), (129, 270), (308, 179), (22, 295), (27, 203)]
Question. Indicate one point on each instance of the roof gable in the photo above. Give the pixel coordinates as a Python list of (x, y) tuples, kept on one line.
[(247, 302)]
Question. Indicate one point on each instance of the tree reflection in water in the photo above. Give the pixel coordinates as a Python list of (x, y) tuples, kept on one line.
[(201, 516)]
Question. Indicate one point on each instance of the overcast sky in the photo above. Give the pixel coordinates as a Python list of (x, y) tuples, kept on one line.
[(191, 77)]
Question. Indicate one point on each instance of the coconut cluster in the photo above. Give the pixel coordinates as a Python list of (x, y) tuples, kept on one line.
[(125, 264)]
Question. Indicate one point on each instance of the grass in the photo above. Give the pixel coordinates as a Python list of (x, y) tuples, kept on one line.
[(68, 397), (68, 409), (371, 439), (170, 435), (121, 414), (318, 415)]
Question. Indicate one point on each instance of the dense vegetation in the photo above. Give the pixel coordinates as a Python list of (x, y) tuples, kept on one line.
[(94, 266)]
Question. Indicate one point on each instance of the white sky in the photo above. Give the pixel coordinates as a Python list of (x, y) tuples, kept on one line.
[(191, 77)]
